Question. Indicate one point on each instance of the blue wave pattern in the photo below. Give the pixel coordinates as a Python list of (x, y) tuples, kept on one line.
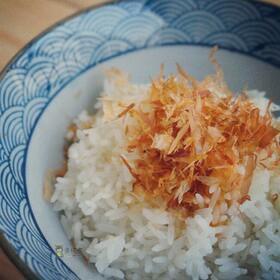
[(49, 63)]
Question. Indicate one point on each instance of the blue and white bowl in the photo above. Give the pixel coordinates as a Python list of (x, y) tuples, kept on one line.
[(60, 73)]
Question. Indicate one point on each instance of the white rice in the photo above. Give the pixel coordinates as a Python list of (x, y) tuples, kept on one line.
[(125, 238)]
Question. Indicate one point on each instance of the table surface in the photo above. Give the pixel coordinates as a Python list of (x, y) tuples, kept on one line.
[(20, 21)]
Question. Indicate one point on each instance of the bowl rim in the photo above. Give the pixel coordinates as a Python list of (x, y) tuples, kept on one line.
[(5, 245)]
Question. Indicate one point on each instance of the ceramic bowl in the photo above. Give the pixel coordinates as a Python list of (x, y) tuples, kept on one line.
[(60, 73)]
